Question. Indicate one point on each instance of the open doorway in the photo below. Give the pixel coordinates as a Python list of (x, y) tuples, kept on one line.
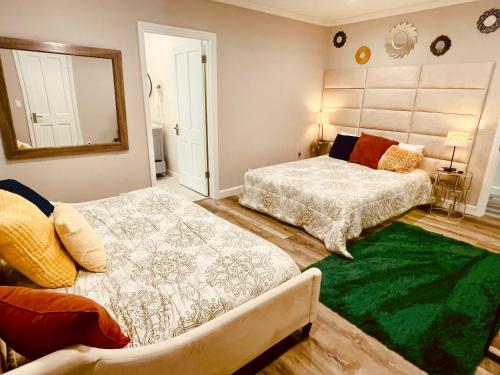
[(179, 109)]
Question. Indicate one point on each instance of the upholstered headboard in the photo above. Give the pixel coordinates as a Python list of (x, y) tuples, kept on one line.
[(411, 104)]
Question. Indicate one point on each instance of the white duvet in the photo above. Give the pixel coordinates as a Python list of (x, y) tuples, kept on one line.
[(172, 265), (332, 199)]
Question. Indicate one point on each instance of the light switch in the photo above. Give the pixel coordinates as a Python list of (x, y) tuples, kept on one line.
[(19, 104)]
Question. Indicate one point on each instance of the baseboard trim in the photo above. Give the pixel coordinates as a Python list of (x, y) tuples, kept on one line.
[(472, 210), (235, 190), (495, 190), (172, 173)]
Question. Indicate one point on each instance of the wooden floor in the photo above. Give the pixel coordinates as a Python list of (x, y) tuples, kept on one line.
[(335, 346)]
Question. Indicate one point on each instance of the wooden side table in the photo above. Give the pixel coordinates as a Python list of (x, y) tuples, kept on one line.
[(450, 194), (321, 147)]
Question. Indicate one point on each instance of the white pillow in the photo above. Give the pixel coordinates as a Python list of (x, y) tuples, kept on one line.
[(346, 133), (412, 148)]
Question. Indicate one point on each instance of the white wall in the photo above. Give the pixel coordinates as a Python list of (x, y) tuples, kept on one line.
[(95, 98), (468, 45), (160, 63)]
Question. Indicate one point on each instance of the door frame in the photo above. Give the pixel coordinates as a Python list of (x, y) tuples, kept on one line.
[(211, 95), (27, 107)]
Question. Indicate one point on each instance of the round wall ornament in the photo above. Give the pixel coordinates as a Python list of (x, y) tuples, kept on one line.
[(363, 55), (401, 40), (489, 21), (339, 39), (440, 45)]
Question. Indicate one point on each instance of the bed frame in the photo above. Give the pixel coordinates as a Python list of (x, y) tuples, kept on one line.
[(220, 346)]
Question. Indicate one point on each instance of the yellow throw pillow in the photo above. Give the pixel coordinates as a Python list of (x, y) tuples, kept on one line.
[(28, 243), (79, 239), (398, 160)]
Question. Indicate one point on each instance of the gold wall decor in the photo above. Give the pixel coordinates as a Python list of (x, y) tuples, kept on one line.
[(401, 40), (363, 55)]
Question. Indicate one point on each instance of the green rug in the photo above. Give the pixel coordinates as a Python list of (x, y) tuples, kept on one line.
[(432, 299)]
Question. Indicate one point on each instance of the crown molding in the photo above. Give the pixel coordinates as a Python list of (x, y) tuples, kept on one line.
[(277, 12), (398, 11), (433, 4)]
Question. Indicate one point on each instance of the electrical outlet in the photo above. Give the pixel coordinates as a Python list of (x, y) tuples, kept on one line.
[(299, 155)]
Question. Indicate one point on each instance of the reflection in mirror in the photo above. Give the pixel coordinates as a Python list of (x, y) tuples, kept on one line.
[(490, 21), (400, 40), (60, 100), (440, 46)]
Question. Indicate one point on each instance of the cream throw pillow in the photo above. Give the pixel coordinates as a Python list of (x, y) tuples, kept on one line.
[(398, 160), (79, 238)]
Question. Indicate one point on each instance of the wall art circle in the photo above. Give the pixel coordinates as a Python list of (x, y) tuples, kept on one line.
[(489, 21), (401, 40), (339, 39), (440, 45), (363, 55)]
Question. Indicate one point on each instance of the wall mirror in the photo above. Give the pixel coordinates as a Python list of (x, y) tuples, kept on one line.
[(60, 99)]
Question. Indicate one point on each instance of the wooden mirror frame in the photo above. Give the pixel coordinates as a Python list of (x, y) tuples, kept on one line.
[(6, 122)]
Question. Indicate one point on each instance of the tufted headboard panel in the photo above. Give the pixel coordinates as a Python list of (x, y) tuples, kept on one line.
[(411, 104)]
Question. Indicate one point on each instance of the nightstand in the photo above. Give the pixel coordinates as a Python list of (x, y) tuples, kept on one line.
[(450, 194), (321, 147)]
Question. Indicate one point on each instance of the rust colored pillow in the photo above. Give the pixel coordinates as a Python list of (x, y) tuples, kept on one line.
[(369, 149), (36, 322)]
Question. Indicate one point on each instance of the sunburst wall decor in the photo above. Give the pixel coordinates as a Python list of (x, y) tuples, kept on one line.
[(401, 40)]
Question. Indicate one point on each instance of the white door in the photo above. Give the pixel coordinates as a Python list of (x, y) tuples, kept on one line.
[(191, 128), (47, 83)]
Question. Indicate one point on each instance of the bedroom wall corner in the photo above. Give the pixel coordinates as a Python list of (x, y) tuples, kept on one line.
[(468, 45)]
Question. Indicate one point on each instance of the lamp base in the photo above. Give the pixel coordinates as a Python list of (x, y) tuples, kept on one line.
[(449, 169)]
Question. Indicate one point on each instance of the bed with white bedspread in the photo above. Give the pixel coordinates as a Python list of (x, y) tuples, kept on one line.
[(332, 199), (173, 267)]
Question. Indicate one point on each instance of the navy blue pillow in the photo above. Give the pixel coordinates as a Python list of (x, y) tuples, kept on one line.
[(343, 146), (17, 188)]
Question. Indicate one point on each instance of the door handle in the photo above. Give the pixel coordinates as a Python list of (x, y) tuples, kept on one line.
[(35, 117), (176, 127)]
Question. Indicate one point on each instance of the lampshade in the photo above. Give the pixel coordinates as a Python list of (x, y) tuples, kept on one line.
[(323, 118), (457, 139)]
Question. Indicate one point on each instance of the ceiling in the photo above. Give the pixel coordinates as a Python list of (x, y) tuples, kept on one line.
[(339, 12)]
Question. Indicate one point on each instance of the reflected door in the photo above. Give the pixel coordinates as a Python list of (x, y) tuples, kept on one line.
[(47, 84), (191, 131)]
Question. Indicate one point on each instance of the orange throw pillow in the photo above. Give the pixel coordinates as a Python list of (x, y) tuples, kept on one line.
[(369, 149), (37, 322)]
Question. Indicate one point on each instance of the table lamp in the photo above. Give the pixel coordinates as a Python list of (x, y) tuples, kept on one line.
[(323, 118), (455, 139)]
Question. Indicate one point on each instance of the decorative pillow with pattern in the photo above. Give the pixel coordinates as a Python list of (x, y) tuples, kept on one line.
[(396, 159)]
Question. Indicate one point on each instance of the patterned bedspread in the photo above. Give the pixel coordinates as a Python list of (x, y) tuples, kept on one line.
[(172, 265), (332, 199)]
